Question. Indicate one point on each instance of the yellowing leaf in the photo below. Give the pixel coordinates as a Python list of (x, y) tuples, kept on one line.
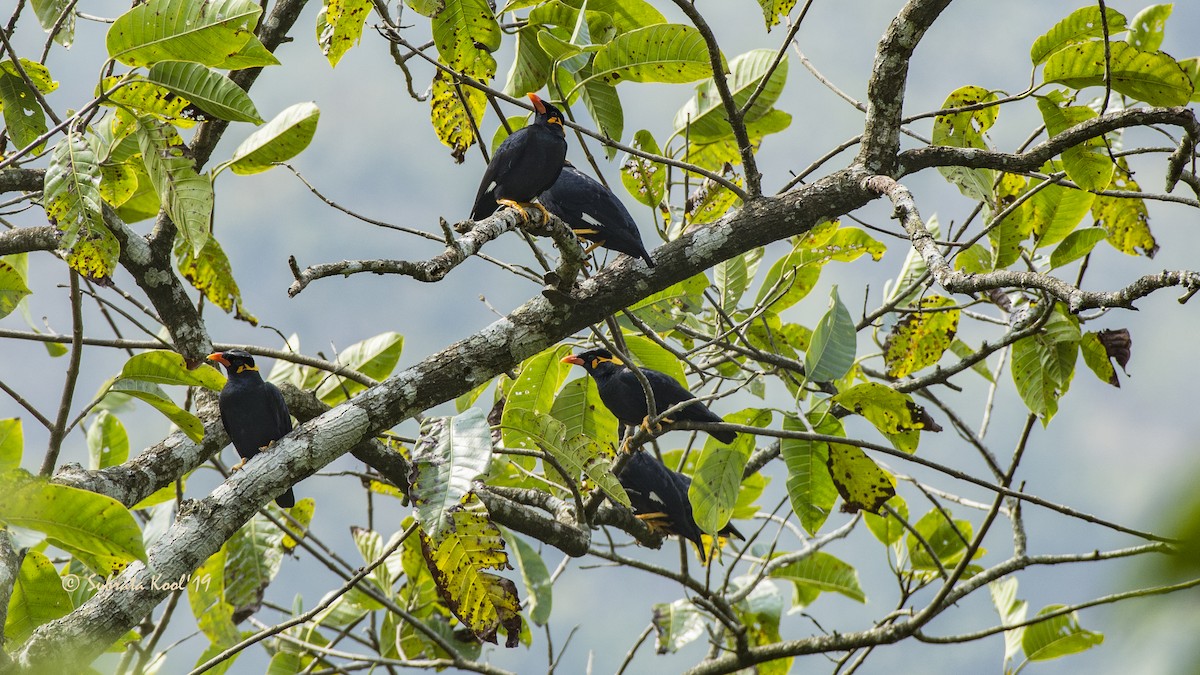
[(920, 338), (863, 485), (457, 558)]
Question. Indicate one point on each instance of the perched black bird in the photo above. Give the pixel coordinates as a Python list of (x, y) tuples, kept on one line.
[(525, 165), (252, 410), (660, 497), (594, 213), (622, 392)]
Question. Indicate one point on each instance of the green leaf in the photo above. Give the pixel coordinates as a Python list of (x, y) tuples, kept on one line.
[(644, 179), (340, 27), (1043, 364), (671, 53), (78, 518), (677, 624), (254, 554), (893, 413), (1088, 163), (253, 54), (376, 357), (1152, 77), (919, 339), (108, 442), (24, 118), (12, 443), (214, 616), (1147, 27), (140, 96), (538, 585), (886, 527), (962, 350), (284, 137), (715, 155), (208, 90), (449, 455), (948, 542), (1059, 636), (1096, 358), (530, 70), (604, 105), (167, 367), (1080, 25), (714, 489), (1192, 68), (186, 195), (49, 13), (833, 343), (1011, 611), (966, 130), (1056, 210), (534, 389), (712, 200), (731, 280), (668, 307), (809, 486), (183, 30), (584, 455), (582, 413), (703, 117), (650, 354), (158, 399), (38, 597), (626, 15), (1077, 244), (12, 288), (825, 573)]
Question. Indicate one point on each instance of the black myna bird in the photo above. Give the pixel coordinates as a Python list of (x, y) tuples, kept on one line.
[(252, 410), (594, 213), (525, 165), (660, 497), (622, 392)]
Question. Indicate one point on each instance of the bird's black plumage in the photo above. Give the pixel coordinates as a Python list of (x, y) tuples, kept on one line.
[(526, 163), (594, 213), (622, 392), (252, 410), (660, 495)]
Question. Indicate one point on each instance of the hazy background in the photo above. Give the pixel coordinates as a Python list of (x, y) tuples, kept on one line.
[(1126, 455)]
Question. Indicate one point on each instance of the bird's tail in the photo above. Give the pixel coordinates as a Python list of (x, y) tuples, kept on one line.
[(286, 500)]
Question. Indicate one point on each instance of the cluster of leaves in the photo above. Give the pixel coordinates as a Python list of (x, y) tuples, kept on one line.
[(131, 159)]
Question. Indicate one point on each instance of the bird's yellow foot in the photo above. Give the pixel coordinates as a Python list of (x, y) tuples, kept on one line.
[(652, 429), (238, 466), (545, 213), (518, 206), (657, 521)]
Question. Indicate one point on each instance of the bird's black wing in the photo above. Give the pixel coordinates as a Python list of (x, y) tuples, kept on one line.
[(509, 153), (282, 418)]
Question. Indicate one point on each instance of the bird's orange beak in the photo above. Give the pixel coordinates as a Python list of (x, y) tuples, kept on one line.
[(219, 358), (571, 359), (537, 104)]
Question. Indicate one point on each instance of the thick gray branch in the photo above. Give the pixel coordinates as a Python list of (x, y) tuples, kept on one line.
[(26, 239), (21, 180), (201, 529), (889, 80)]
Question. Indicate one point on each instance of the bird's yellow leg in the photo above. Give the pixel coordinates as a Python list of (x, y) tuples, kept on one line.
[(594, 245), (238, 466), (657, 521), (518, 206), (545, 213)]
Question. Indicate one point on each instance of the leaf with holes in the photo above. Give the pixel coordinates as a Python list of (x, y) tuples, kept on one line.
[(893, 413), (457, 557)]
